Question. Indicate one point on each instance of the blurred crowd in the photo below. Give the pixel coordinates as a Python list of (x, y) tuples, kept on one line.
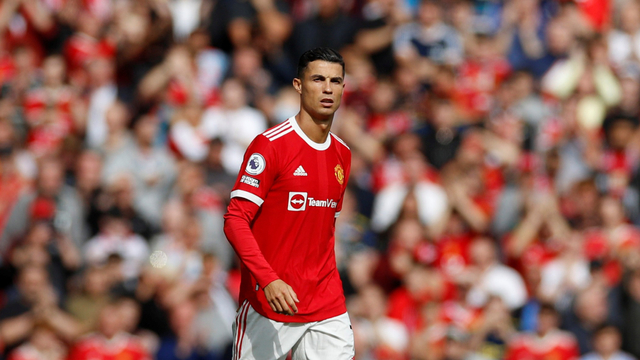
[(494, 199)]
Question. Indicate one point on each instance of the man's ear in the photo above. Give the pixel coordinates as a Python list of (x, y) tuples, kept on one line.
[(297, 84)]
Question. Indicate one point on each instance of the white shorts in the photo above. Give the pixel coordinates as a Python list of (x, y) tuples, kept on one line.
[(257, 337)]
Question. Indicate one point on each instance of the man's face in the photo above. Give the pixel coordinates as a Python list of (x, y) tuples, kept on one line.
[(320, 89)]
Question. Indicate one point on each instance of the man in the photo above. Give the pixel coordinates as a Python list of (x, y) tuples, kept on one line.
[(547, 342), (281, 222)]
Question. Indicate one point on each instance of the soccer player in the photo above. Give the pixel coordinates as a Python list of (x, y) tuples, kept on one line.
[(281, 223)]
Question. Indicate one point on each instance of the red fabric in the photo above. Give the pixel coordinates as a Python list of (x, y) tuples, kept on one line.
[(476, 83), (43, 209), (240, 214), (7, 68), (96, 347), (389, 124), (81, 48), (292, 232), (10, 189), (597, 12), (557, 345)]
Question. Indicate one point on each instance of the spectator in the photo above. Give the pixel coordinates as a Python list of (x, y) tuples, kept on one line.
[(116, 238), (111, 327), (152, 167), (558, 343), (491, 278), (427, 42), (50, 199), (606, 343)]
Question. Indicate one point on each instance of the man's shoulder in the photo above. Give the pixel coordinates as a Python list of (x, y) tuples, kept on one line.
[(341, 144), (277, 132)]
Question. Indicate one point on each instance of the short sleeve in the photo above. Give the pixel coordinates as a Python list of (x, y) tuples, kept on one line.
[(259, 169)]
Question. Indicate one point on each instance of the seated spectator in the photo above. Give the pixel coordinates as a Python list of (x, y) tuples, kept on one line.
[(110, 340), (43, 344), (237, 134), (488, 277), (427, 42), (592, 308), (116, 238), (87, 304), (547, 341), (185, 343), (567, 275), (50, 198), (606, 345), (152, 167)]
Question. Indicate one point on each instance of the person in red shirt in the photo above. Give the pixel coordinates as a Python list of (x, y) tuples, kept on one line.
[(547, 343), (281, 223), (111, 341)]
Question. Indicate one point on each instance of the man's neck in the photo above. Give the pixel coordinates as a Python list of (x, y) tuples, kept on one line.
[(316, 130)]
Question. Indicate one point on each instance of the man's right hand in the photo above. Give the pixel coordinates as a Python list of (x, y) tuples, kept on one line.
[(281, 297)]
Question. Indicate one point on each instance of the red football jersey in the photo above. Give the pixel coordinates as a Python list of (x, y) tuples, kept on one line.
[(298, 185), (557, 345), (97, 347)]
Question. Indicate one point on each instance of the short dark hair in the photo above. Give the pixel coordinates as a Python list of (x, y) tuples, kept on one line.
[(320, 53)]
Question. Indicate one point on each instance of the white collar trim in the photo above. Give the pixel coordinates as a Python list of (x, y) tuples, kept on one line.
[(318, 146)]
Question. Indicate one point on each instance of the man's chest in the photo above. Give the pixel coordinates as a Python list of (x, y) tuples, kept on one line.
[(310, 180)]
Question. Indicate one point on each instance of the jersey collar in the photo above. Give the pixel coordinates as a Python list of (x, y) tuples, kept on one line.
[(313, 144)]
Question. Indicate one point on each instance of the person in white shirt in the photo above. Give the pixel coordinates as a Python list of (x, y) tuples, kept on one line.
[(488, 277)]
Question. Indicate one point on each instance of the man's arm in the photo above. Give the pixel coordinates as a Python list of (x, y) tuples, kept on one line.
[(237, 220)]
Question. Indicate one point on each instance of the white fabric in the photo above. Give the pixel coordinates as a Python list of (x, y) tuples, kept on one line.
[(186, 17), (501, 281), (623, 47), (236, 128), (257, 337), (554, 274), (189, 142), (99, 102), (133, 249), (431, 198)]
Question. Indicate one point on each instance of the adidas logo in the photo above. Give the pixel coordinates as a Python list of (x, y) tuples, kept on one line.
[(300, 171)]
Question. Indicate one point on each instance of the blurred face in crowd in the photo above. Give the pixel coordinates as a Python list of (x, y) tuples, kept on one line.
[(129, 312), (6, 138), (383, 98), (123, 192), (547, 321), (483, 252), (96, 282), (117, 117), (328, 8), (173, 216), (429, 13), (320, 89), (88, 170), (246, 62), (46, 341), (50, 177), (591, 307), (630, 17), (234, 95), (101, 71), (54, 70), (607, 340), (374, 302), (110, 321), (559, 37), (181, 318), (31, 281), (146, 129), (620, 134), (611, 212), (39, 234)]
